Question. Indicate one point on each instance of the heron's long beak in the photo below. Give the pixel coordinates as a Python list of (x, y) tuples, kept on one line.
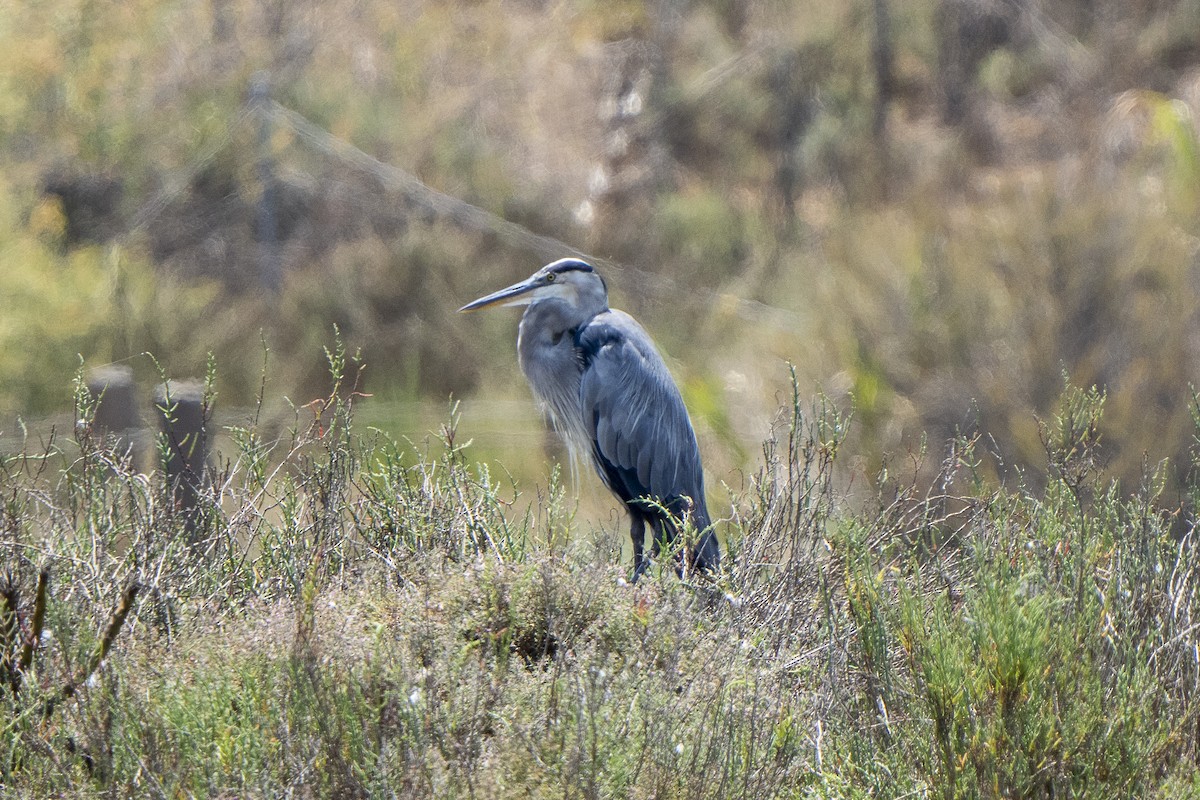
[(519, 294)]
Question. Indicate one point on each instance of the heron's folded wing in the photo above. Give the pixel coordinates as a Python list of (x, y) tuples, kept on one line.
[(644, 445)]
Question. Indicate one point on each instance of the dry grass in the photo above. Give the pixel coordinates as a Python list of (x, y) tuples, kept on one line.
[(360, 621)]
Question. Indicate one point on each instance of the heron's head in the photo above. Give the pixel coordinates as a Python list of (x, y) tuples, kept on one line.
[(570, 280)]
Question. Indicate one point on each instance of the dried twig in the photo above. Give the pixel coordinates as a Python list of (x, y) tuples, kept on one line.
[(110, 635), (35, 629)]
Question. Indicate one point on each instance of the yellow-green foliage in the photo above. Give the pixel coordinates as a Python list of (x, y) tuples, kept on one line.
[(54, 305), (62, 305), (956, 315)]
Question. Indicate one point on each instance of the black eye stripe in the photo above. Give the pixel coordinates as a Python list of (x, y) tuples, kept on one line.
[(571, 265)]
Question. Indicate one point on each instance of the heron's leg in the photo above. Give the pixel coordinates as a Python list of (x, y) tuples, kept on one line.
[(637, 532), (708, 552)]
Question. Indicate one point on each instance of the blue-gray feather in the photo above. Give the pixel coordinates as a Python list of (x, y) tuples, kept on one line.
[(641, 425)]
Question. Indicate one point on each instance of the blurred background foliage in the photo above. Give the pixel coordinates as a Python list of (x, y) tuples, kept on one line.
[(936, 209)]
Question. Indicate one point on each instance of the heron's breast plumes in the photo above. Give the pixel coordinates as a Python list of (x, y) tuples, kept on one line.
[(550, 361)]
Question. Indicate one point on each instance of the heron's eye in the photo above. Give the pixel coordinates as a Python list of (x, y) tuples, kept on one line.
[(550, 277)]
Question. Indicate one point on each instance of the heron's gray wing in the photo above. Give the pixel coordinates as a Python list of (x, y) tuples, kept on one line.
[(643, 444)]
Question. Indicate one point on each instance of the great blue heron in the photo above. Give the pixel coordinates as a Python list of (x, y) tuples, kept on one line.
[(603, 385)]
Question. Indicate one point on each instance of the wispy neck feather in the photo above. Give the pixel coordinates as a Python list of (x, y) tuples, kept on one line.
[(549, 358)]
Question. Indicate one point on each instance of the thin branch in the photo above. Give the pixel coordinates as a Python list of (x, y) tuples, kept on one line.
[(110, 635)]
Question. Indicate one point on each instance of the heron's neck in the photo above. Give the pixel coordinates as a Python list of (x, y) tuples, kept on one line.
[(551, 317)]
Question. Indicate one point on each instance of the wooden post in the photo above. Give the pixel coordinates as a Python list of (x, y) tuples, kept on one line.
[(181, 417), (116, 419)]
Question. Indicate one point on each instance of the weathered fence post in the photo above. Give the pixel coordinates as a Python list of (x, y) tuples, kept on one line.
[(116, 418), (181, 417)]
